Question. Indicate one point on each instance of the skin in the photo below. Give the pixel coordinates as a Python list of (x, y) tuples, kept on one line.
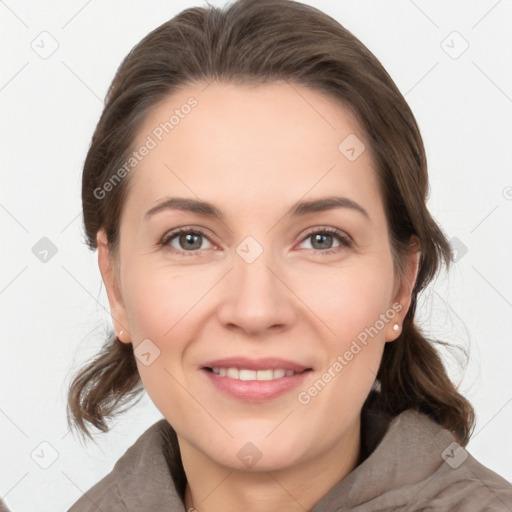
[(254, 151)]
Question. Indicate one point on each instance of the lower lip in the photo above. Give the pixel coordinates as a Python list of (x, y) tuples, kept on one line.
[(255, 390)]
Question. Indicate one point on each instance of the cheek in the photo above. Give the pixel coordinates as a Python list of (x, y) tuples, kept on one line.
[(357, 310), (159, 309), (348, 299), (354, 306), (164, 306), (159, 299)]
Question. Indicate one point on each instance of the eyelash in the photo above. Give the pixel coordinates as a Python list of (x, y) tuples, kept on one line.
[(186, 230), (345, 240)]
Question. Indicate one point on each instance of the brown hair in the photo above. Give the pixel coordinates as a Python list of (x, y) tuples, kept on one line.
[(260, 41)]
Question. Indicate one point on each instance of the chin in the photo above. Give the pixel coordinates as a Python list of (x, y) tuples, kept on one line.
[(257, 453)]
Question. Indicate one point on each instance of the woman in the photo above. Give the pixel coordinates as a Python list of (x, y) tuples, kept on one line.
[(256, 189)]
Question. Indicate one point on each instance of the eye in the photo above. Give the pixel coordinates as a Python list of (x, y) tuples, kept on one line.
[(327, 240), (186, 240)]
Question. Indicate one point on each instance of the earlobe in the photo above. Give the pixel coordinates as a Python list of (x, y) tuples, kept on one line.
[(111, 282)]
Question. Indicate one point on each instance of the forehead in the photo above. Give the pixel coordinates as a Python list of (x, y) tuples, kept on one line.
[(238, 143)]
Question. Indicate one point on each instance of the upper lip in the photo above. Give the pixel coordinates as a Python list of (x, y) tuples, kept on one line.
[(266, 363)]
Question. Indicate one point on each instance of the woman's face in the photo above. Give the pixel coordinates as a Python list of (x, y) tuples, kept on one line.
[(254, 275)]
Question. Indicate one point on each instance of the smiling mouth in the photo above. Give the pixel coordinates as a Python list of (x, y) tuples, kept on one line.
[(254, 380), (245, 374)]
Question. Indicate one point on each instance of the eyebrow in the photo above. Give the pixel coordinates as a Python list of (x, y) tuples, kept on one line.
[(299, 209)]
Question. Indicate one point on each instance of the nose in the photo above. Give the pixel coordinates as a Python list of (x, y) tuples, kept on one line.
[(256, 298)]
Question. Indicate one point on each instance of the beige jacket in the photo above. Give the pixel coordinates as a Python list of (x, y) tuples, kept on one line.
[(408, 464)]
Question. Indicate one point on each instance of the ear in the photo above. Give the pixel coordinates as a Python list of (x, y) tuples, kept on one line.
[(110, 278), (403, 289)]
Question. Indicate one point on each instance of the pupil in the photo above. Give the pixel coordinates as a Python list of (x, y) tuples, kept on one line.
[(187, 241), (323, 241)]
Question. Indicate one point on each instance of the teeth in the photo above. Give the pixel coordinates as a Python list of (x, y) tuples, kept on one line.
[(232, 373), (244, 374), (279, 374), (247, 375)]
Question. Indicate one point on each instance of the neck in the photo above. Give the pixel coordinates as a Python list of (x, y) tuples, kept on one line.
[(212, 487)]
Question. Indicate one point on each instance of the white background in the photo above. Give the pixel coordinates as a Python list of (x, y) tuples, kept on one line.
[(53, 314)]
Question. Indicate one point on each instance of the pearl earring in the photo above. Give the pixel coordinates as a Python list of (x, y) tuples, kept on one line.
[(396, 327), (120, 332)]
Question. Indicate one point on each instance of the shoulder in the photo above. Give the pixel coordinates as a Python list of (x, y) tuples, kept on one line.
[(470, 484), (418, 466), (444, 474), (140, 479)]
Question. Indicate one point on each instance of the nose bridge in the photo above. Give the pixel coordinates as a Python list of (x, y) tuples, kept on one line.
[(255, 298)]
